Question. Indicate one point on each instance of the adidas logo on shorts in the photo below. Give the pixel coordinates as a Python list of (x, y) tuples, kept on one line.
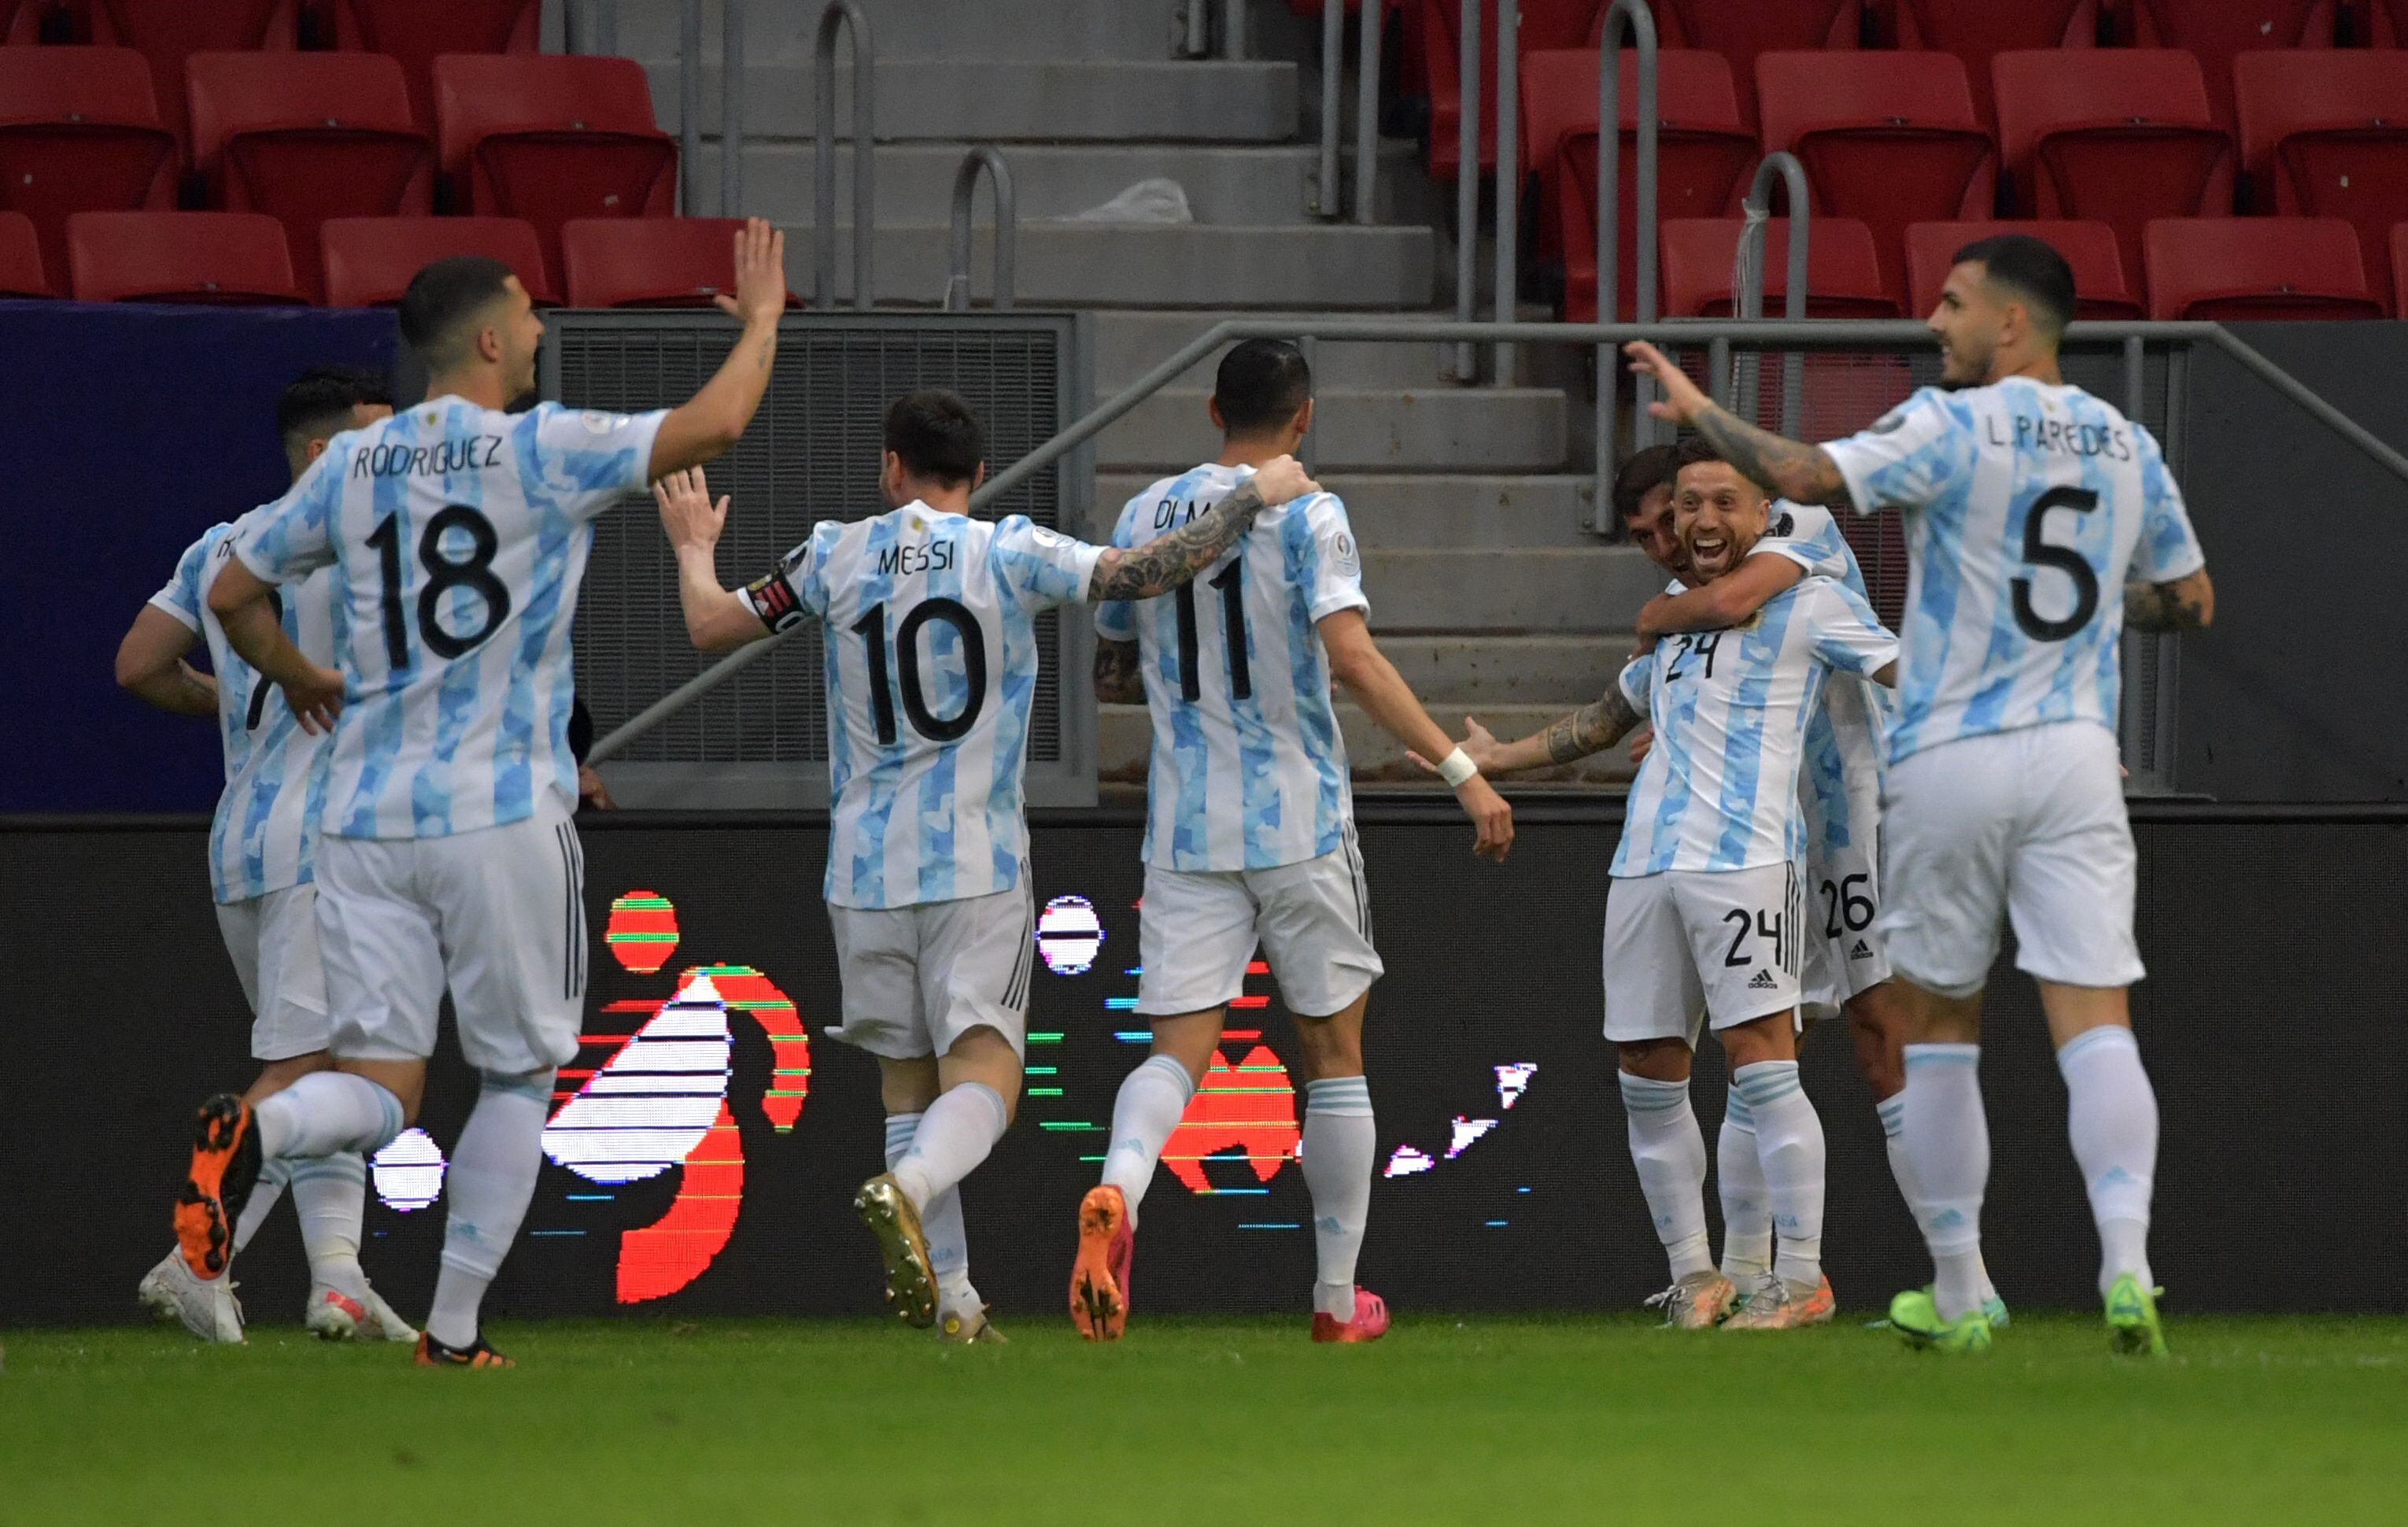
[(1862, 951), (1763, 982)]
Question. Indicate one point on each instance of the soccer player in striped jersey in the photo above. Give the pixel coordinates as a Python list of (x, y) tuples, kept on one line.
[(927, 626), (1706, 917), (2040, 522), (1847, 967), (262, 839), (457, 536), (1250, 833)]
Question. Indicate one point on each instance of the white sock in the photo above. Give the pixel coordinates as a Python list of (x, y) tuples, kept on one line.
[(1948, 1138), (1341, 1147), (330, 1198), (1789, 1143), (2111, 1113), (1670, 1154), (954, 1137), (325, 1112), (1747, 1212), (492, 1175), (949, 1241), (1151, 1099), (273, 1175), (1892, 1110)]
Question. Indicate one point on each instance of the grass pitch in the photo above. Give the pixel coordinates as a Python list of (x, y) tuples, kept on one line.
[(1219, 1422)]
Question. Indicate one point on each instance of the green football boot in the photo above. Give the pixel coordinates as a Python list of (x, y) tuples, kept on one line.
[(2132, 1325), (1914, 1317)]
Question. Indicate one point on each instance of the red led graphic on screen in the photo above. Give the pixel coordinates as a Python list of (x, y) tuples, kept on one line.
[(1245, 1108)]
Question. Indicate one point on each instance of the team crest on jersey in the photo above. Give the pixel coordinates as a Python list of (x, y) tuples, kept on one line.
[(597, 423), (1343, 554), (1888, 422)]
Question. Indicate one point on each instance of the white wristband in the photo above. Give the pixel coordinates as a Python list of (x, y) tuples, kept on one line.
[(1455, 768)]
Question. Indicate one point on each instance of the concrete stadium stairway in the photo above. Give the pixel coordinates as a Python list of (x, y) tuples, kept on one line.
[(1469, 502)]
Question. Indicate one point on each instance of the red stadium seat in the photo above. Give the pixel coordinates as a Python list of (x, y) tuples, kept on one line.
[(24, 23), (2216, 30), (1545, 26), (2326, 134), (2090, 248), (218, 257), (1703, 151), (1741, 29), (21, 259), (414, 32), (2119, 136), (2238, 268), (368, 261), (1843, 277), (1891, 139), (1977, 34), (550, 138), (2400, 269), (2382, 23), (167, 31), (306, 137), (80, 133), (678, 262)]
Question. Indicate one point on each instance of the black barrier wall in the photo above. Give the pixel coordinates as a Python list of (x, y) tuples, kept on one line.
[(2267, 1023)]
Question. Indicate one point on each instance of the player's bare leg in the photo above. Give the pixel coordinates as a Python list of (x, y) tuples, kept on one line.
[(1151, 1101), (2112, 1116), (1340, 1147), (978, 1089), (907, 1087), (1762, 1054)]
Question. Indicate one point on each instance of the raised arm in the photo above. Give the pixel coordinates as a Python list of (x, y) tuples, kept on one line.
[(708, 424), (717, 619), (1728, 601), (2185, 604), (150, 665), (1178, 556), (1790, 470)]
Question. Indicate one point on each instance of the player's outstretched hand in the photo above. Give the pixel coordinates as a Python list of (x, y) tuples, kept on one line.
[(1491, 818), (1682, 402), (1478, 745), (317, 703), (760, 275), (1282, 478), (687, 513)]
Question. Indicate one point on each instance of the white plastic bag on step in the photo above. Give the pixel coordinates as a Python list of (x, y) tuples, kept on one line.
[(1153, 200)]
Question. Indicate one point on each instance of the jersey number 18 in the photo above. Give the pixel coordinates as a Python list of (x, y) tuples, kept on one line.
[(474, 572)]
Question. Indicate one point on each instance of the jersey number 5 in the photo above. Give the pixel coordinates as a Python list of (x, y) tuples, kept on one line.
[(474, 572), (871, 628), (2065, 559), (1231, 582)]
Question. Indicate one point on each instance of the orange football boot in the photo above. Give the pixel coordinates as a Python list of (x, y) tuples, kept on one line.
[(225, 1164), (1100, 1278)]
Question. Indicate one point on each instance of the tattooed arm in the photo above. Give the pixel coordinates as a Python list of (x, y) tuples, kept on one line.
[(2186, 604), (1592, 729), (1117, 681), (1805, 474), (1171, 559)]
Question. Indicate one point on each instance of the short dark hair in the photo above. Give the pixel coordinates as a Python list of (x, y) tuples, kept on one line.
[(1645, 470), (320, 401), (2030, 268), (1696, 450), (1260, 385), (442, 299), (936, 435)]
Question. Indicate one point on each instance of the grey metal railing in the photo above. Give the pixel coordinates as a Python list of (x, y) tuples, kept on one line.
[(689, 106), (1896, 335), (731, 107), (591, 27), (1327, 200), (1366, 116), (1007, 228), (841, 15), (1465, 367), (1197, 20), (1509, 177), (1747, 286), (1640, 22)]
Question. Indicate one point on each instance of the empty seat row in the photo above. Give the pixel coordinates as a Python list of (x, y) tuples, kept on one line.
[(2123, 138), (308, 136), (244, 257)]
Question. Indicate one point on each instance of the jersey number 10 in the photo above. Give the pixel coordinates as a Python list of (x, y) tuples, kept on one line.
[(871, 628)]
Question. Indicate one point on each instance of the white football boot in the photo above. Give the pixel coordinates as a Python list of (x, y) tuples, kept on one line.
[(206, 1306)]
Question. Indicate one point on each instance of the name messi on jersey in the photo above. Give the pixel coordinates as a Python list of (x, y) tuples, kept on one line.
[(2065, 438), (903, 561), (465, 455)]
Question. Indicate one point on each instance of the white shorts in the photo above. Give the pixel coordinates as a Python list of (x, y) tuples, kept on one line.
[(1313, 919), (2028, 826), (1683, 946), (498, 915), (918, 978), (274, 942), (1845, 950)]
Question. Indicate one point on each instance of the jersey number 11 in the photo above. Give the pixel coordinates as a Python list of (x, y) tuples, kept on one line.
[(1231, 582)]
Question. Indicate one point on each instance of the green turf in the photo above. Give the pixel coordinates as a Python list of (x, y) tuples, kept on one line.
[(1213, 1421)]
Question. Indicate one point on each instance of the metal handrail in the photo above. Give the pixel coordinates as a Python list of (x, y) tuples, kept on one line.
[(731, 107), (1509, 177), (689, 106), (1198, 19), (1747, 290), (589, 28), (1367, 116), (1007, 228), (1903, 334), (1467, 185), (1328, 200), (839, 14), (1635, 15)]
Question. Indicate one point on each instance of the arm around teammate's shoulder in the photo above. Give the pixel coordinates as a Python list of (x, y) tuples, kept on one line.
[(2182, 604), (708, 424), (1176, 556)]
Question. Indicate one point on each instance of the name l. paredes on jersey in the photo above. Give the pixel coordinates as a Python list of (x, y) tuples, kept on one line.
[(2062, 436), (472, 454)]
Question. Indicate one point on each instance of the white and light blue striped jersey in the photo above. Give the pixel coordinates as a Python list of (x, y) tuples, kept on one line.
[(1841, 787), (1249, 769), (1719, 790), (930, 645), (458, 537), (264, 831), (2028, 507)]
